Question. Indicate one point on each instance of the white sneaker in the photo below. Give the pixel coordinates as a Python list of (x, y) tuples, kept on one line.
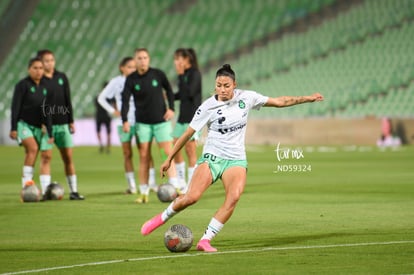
[(182, 187), (153, 187)]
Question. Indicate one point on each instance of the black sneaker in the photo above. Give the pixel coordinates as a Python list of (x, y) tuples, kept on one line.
[(44, 197), (76, 196)]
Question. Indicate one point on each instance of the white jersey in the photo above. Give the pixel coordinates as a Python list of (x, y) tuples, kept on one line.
[(114, 90), (226, 122)]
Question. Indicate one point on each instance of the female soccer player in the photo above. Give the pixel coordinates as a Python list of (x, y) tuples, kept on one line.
[(63, 127), (103, 118), (29, 115), (189, 94), (147, 85), (114, 90), (224, 155)]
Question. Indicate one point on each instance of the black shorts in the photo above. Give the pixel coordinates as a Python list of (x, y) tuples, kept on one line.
[(105, 122)]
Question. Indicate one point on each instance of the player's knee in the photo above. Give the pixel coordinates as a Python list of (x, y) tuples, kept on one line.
[(46, 157), (233, 197), (32, 151)]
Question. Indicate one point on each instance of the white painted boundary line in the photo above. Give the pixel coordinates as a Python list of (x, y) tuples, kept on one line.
[(209, 254)]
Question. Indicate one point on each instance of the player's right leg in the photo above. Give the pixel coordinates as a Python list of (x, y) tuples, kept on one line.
[(144, 159), (234, 181), (30, 140), (202, 179), (126, 139), (98, 135), (129, 168), (31, 150)]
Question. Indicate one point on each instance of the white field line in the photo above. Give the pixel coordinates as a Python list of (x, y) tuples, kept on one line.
[(209, 254)]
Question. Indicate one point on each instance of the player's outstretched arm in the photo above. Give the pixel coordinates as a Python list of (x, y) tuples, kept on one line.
[(179, 144), (285, 101)]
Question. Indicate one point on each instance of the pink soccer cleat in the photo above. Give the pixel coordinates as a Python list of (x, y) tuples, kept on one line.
[(204, 245), (151, 225)]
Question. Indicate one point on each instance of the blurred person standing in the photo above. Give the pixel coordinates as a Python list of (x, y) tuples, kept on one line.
[(63, 123), (189, 94), (30, 116), (114, 90), (102, 117), (153, 117)]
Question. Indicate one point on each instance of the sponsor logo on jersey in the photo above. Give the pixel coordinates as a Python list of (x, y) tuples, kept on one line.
[(231, 129)]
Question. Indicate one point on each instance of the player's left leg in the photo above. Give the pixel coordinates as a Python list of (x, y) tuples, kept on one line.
[(64, 142), (234, 180), (71, 178), (108, 136), (45, 162), (163, 136)]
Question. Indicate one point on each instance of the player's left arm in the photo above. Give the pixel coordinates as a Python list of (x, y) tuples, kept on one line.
[(168, 90), (285, 101), (179, 144), (169, 114), (69, 105), (68, 100), (47, 116)]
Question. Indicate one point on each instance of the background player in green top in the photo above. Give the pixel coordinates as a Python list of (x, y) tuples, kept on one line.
[(63, 124)]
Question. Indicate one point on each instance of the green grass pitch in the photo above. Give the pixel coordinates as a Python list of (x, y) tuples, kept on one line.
[(346, 212)]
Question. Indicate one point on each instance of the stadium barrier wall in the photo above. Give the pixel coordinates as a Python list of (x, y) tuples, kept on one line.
[(326, 131)]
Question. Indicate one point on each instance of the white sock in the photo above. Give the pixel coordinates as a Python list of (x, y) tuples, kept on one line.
[(144, 189), (73, 183), (180, 168), (151, 179), (174, 182), (190, 171), (130, 176), (44, 182), (213, 229), (27, 174), (168, 213)]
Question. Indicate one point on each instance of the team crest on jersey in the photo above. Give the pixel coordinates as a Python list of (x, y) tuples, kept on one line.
[(60, 81), (33, 89), (137, 87), (44, 92), (242, 105), (154, 83)]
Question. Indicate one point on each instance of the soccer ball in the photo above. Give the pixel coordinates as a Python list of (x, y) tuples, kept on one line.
[(166, 192), (30, 192), (55, 191), (178, 238)]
